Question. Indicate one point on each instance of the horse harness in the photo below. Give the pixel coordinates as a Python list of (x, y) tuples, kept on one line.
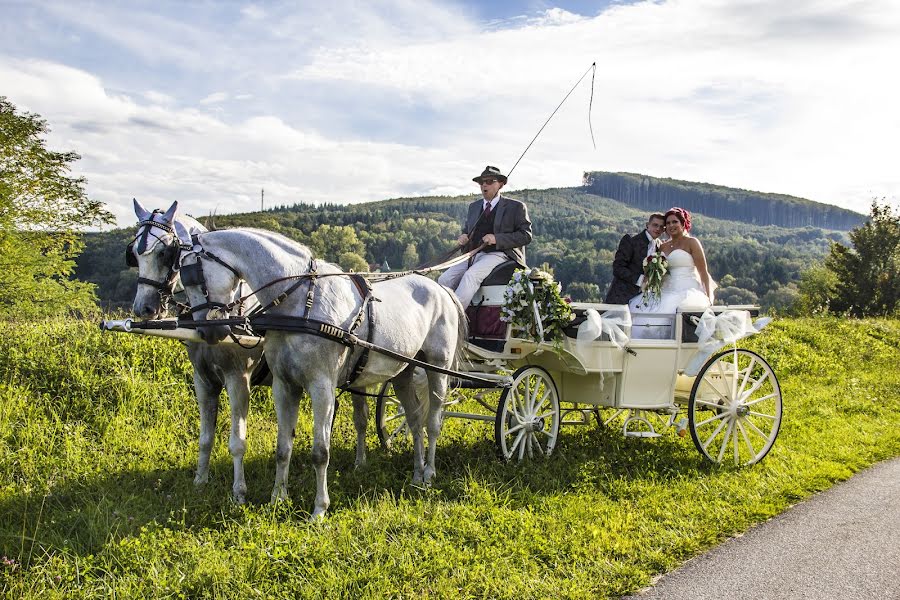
[(257, 321), (170, 257)]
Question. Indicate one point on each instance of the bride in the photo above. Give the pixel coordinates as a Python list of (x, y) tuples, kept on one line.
[(687, 285)]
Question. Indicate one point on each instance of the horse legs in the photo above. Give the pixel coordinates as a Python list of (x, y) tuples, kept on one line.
[(360, 421), (287, 403), (208, 405), (321, 394), (412, 408), (437, 391), (239, 396)]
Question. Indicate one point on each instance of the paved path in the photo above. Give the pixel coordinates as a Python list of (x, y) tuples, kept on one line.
[(843, 543)]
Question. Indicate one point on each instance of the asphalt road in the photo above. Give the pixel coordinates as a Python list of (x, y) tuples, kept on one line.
[(841, 544)]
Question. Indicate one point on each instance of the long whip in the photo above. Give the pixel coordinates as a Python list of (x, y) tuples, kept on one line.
[(593, 68)]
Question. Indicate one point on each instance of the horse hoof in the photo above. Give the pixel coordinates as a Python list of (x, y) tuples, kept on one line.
[(201, 480), (318, 516), (239, 499)]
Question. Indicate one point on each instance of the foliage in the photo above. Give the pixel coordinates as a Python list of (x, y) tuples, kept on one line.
[(98, 442), (575, 231), (815, 290), (656, 194), (532, 290), (868, 275), (41, 210)]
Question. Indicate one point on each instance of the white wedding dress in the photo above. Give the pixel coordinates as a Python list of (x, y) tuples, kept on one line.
[(681, 289)]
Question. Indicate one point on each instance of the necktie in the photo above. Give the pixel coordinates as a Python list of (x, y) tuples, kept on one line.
[(487, 209)]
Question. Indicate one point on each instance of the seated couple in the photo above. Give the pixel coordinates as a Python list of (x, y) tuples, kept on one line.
[(687, 285)]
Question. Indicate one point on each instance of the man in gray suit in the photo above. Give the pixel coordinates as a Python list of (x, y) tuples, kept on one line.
[(498, 221), (628, 264)]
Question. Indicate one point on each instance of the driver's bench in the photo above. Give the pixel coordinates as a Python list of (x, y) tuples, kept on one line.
[(486, 330)]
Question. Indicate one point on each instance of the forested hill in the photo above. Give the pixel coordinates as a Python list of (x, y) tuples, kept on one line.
[(575, 233), (652, 193)]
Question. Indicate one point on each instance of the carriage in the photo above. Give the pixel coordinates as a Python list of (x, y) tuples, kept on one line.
[(615, 374), (728, 399)]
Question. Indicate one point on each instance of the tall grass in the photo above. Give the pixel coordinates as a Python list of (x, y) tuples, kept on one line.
[(98, 443)]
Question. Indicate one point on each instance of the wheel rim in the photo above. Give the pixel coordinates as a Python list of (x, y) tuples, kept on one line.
[(390, 419), (734, 412), (527, 422)]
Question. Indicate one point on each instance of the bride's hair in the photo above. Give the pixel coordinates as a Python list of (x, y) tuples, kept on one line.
[(682, 215)]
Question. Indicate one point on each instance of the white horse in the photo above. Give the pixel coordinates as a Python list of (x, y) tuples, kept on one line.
[(155, 251), (414, 316)]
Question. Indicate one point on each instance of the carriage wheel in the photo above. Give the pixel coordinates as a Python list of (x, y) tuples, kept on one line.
[(734, 412), (390, 420), (527, 421)]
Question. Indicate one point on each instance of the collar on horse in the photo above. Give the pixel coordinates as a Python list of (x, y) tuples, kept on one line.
[(259, 321)]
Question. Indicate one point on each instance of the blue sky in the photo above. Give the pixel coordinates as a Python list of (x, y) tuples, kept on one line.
[(346, 101)]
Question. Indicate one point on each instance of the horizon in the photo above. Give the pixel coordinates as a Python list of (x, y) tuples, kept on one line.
[(210, 104)]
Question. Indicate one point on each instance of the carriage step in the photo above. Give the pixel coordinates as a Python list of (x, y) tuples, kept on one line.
[(642, 434)]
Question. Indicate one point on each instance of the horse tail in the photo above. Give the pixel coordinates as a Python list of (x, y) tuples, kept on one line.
[(462, 330)]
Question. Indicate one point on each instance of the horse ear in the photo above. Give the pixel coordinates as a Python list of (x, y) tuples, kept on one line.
[(169, 215), (184, 236), (139, 211)]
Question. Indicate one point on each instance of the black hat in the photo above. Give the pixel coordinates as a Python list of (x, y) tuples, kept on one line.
[(490, 173)]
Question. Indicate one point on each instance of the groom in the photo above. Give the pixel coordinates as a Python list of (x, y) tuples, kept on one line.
[(628, 265)]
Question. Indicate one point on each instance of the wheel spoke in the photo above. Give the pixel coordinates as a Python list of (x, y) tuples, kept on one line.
[(747, 440), (761, 399), (713, 405), (714, 434), (756, 385), (715, 390), (400, 431), (747, 372), (725, 443), (520, 442), (513, 430), (711, 419), (762, 415), (756, 429)]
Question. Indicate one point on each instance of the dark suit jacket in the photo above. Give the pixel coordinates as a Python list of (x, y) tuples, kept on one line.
[(628, 266), (512, 227)]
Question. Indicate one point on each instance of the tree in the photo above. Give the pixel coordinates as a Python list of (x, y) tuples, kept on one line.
[(410, 257), (816, 290), (331, 241), (868, 275), (351, 261), (42, 211), (584, 292)]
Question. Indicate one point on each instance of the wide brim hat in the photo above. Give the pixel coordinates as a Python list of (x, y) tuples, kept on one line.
[(490, 173)]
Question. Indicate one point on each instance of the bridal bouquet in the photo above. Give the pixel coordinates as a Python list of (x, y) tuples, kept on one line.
[(655, 268), (531, 295)]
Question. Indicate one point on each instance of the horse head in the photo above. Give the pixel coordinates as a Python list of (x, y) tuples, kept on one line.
[(213, 290), (154, 251)]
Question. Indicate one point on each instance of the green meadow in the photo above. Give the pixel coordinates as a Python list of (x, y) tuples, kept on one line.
[(98, 442)]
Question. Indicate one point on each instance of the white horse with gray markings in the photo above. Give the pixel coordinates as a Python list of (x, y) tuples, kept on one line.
[(305, 307), (155, 251)]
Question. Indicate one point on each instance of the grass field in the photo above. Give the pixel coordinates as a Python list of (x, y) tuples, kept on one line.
[(98, 444)]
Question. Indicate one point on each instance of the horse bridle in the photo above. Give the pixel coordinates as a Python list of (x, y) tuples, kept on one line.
[(170, 256)]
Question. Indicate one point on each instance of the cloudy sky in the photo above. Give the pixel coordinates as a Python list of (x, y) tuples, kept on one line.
[(346, 101)]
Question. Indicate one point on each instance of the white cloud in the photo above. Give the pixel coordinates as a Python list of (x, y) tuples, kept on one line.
[(342, 105)]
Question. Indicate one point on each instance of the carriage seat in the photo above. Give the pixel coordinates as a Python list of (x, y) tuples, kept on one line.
[(485, 327)]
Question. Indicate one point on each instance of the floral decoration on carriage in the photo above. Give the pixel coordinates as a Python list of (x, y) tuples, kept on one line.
[(533, 304)]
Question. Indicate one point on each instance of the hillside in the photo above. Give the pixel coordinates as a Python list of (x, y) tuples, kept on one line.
[(652, 193), (99, 435), (576, 233)]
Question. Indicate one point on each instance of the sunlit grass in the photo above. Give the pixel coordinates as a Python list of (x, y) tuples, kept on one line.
[(98, 446)]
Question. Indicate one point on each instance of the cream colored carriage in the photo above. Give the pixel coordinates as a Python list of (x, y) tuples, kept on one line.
[(657, 379)]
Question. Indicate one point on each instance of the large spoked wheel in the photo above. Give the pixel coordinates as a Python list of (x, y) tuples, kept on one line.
[(527, 422), (734, 412), (390, 420)]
